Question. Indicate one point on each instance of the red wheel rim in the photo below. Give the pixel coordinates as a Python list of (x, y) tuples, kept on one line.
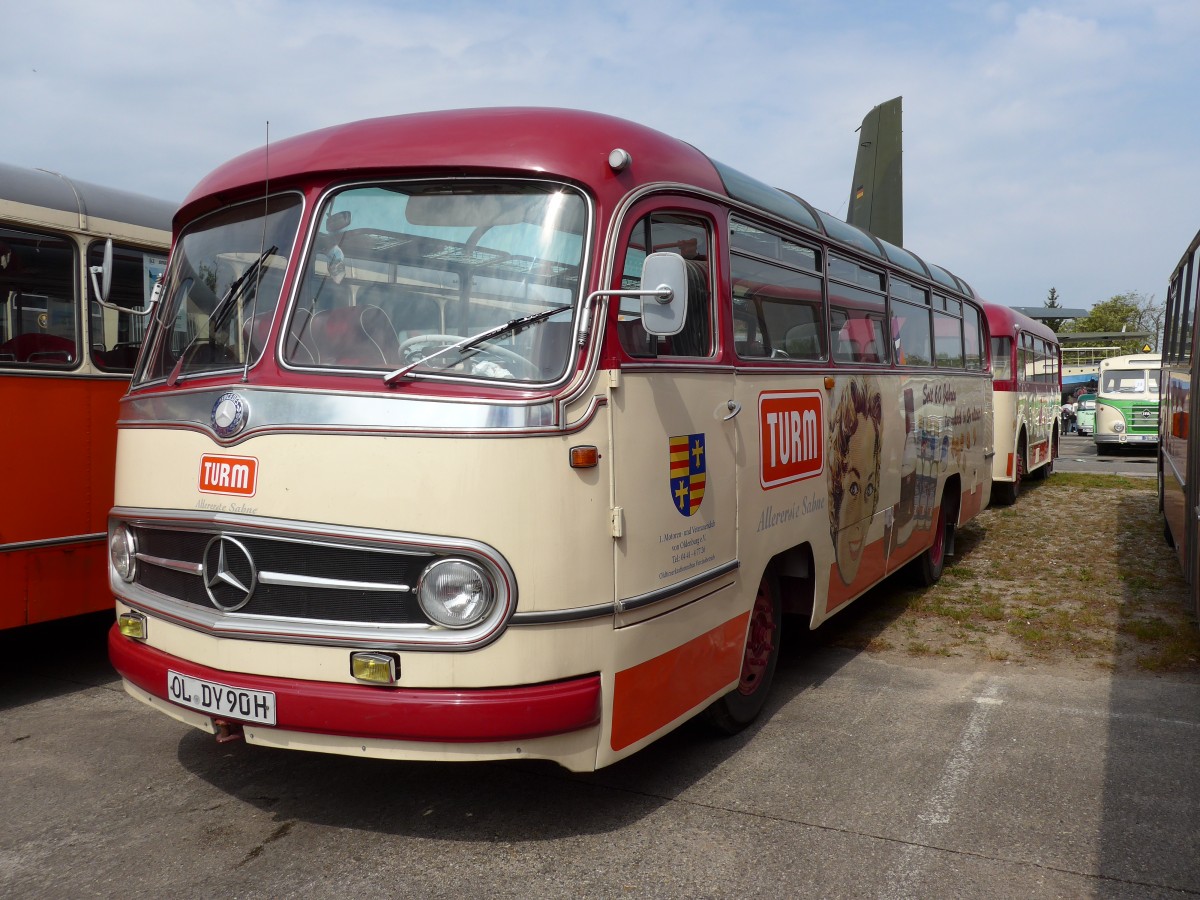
[(760, 642), (938, 547)]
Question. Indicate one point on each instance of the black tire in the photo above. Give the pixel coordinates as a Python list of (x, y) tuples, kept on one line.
[(927, 568), (737, 709)]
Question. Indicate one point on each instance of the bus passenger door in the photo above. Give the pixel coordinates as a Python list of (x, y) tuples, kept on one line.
[(674, 438)]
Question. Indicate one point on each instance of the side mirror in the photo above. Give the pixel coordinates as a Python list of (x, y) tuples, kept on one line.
[(664, 294), (104, 284)]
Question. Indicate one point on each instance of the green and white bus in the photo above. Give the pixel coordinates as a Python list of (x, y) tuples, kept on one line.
[(1127, 400)]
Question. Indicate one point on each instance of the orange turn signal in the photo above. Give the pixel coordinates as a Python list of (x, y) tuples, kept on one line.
[(584, 457)]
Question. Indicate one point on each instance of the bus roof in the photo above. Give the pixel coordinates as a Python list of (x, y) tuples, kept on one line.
[(1137, 360), (1004, 320), (561, 143), (41, 187)]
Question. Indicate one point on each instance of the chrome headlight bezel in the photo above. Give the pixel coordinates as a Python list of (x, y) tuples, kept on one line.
[(122, 552), (452, 580)]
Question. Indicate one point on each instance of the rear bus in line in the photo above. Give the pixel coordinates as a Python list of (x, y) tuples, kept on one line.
[(513, 433), (1127, 400), (1026, 403), (65, 361), (1178, 454)]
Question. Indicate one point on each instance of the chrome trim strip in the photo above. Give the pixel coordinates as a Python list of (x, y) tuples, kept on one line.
[(307, 411), (643, 600), (53, 542), (173, 564), (555, 616), (334, 584)]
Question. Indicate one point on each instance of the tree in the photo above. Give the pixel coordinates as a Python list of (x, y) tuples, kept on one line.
[(1131, 311), (1052, 303)]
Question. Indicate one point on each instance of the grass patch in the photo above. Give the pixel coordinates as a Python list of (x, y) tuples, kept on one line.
[(1075, 572)]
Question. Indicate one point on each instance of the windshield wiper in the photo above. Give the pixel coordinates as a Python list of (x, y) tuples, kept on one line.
[(469, 343), (222, 309)]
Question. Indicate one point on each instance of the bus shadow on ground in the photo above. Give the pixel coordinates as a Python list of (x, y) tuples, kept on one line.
[(53, 659), (1152, 757), (517, 801)]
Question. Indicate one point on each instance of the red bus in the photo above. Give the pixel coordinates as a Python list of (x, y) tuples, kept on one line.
[(1178, 456), (65, 361), (513, 433), (1027, 399)]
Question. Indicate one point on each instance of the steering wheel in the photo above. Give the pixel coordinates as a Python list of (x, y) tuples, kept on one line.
[(530, 369)]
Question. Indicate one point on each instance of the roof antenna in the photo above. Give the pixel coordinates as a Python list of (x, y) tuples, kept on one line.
[(262, 248)]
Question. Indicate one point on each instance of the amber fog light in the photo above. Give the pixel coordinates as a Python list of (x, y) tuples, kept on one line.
[(132, 625), (377, 668)]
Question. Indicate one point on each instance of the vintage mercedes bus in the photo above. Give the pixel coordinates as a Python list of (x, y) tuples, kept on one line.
[(65, 362), (1026, 378), (513, 433)]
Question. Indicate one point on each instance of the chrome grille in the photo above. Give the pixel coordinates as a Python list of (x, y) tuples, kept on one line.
[(295, 579)]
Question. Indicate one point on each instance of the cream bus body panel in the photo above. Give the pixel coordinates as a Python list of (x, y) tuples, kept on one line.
[(1037, 416), (479, 488), (560, 549)]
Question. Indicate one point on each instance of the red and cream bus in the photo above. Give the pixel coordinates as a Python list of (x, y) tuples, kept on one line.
[(1027, 399), (1178, 454), (65, 361), (512, 433)]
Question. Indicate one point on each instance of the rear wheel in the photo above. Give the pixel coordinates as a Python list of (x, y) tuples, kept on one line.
[(1048, 469), (741, 706), (1006, 492), (928, 567)]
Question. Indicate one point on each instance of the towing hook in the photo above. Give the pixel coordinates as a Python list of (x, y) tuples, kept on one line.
[(227, 731)]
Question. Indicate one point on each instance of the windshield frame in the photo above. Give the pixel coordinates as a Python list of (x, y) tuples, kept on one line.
[(304, 259)]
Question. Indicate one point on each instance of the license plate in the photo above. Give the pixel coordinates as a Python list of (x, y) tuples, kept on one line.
[(221, 699)]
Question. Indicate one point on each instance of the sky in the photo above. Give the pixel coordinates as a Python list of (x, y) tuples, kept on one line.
[(1048, 144)]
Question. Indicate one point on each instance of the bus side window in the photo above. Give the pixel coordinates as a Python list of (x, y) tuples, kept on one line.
[(689, 237), (856, 313), (115, 338), (777, 311), (38, 324)]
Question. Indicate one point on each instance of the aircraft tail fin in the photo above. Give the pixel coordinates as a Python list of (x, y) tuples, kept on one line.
[(877, 191)]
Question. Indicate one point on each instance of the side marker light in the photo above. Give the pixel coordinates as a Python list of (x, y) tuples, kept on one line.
[(584, 457)]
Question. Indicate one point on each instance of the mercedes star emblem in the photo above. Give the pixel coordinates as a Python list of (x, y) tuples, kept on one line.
[(229, 573), (229, 414)]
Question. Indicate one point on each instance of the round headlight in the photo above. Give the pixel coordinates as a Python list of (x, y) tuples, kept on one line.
[(1119, 427), (122, 551), (455, 593)]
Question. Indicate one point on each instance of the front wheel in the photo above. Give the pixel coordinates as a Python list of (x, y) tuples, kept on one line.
[(741, 706)]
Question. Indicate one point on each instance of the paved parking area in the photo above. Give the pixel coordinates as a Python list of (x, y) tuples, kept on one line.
[(865, 779)]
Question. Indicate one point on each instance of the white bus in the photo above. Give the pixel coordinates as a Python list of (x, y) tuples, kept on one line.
[(1127, 400), (513, 433)]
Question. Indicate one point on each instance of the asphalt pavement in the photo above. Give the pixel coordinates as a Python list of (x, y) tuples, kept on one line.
[(863, 779)]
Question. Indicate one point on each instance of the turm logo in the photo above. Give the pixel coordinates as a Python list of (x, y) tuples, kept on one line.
[(790, 437), (235, 475)]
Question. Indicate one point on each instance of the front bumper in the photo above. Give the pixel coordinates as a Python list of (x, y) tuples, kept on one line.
[(478, 715)]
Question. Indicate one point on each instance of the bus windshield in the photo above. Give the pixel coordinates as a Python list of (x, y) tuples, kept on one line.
[(1130, 381), (406, 278), (227, 270)]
